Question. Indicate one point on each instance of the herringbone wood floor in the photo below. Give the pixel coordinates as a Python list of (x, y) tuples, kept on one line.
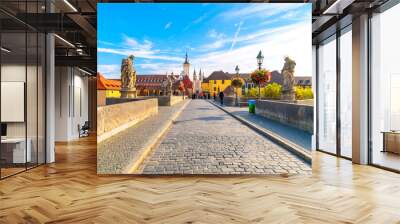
[(69, 191)]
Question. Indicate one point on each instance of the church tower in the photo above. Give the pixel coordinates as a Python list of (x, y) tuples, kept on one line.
[(194, 75), (186, 66)]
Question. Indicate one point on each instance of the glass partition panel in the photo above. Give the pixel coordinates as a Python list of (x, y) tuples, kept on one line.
[(41, 99), (14, 153), (327, 95), (385, 89), (31, 98), (346, 92), (22, 67)]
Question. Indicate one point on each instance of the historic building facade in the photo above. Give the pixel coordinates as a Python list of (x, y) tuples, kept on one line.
[(197, 82), (219, 81), (110, 88)]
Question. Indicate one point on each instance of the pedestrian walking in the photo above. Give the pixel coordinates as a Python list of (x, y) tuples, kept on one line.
[(221, 97)]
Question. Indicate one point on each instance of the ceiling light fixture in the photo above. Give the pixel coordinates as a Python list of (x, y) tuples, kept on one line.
[(70, 5), (5, 50), (337, 7), (64, 40), (84, 71)]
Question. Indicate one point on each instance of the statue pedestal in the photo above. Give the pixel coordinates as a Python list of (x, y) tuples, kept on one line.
[(128, 93), (288, 96)]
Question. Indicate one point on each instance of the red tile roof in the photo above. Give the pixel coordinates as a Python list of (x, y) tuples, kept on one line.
[(107, 84)]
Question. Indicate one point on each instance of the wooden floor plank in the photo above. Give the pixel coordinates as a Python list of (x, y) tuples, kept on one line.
[(70, 191)]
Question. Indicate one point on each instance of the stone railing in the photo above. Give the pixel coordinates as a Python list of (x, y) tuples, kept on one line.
[(296, 115), (112, 119), (230, 101), (111, 101), (169, 100)]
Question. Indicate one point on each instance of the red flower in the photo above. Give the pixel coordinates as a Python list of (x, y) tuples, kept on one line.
[(181, 86), (261, 76)]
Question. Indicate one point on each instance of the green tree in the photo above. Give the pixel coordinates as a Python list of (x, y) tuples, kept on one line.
[(253, 92), (303, 93), (273, 91)]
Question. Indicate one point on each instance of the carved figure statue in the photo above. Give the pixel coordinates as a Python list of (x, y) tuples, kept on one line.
[(128, 73), (171, 80), (128, 78), (288, 79)]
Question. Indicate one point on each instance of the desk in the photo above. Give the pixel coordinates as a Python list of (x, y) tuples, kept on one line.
[(391, 141), (16, 147)]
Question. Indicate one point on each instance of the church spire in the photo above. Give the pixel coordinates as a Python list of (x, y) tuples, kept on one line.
[(186, 59), (194, 75), (200, 78)]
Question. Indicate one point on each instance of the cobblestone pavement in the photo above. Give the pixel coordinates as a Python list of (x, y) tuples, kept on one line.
[(206, 140), (115, 154)]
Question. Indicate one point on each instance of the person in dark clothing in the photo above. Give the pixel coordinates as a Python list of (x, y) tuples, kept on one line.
[(215, 97), (221, 97)]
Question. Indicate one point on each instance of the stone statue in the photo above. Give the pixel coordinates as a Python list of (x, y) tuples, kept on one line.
[(171, 80), (287, 72), (128, 78)]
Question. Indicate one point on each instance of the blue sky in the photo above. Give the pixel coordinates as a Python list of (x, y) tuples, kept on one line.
[(216, 36)]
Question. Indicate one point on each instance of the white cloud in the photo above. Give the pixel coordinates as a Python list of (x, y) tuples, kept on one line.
[(213, 45), (111, 71), (136, 45), (214, 34), (168, 25), (131, 42), (144, 50), (260, 10), (161, 68), (219, 43), (196, 21), (293, 41), (140, 54), (105, 42), (239, 26), (200, 19)]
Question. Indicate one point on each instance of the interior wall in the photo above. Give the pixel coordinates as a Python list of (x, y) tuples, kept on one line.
[(71, 102), (16, 73)]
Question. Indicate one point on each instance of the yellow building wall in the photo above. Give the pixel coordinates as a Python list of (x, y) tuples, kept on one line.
[(218, 85), (113, 94), (204, 87), (214, 85)]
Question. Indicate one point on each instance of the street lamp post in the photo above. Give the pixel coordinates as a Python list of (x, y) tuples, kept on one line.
[(260, 59), (237, 76), (237, 70)]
